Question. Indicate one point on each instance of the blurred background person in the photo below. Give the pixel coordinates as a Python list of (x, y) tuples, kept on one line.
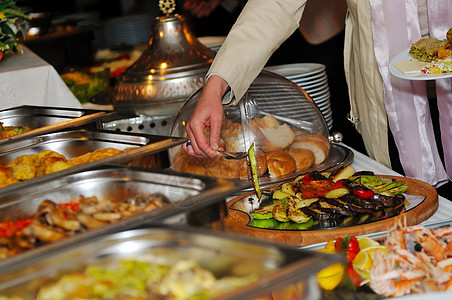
[(212, 17)]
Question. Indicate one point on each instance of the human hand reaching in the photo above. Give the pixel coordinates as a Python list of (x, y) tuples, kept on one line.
[(201, 8), (208, 113)]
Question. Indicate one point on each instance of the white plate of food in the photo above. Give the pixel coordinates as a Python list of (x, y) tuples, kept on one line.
[(406, 67), (431, 58)]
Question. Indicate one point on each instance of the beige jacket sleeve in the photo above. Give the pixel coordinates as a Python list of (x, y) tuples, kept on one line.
[(260, 29)]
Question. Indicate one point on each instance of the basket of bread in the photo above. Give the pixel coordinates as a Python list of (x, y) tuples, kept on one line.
[(286, 128)]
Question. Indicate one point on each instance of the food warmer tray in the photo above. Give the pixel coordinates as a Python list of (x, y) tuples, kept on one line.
[(275, 265), (187, 196), (44, 119), (78, 142)]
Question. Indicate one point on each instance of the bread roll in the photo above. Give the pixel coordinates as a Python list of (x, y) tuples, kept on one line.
[(270, 135), (317, 137), (234, 145), (319, 148), (304, 158), (221, 167), (280, 163), (233, 138), (261, 165), (267, 121), (189, 164)]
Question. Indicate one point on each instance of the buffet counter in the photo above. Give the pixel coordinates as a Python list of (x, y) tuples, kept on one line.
[(27, 79)]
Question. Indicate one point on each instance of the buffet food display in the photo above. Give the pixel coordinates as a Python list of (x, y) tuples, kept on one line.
[(9, 131), (27, 121), (332, 199), (317, 206), (60, 212), (282, 151), (71, 195), (33, 158), (166, 263), (30, 166)]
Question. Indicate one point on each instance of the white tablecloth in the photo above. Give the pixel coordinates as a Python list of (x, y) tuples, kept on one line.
[(362, 162), (29, 80)]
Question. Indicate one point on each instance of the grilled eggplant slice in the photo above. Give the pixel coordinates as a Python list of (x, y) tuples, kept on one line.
[(321, 210), (388, 201), (347, 205), (295, 214), (366, 204), (327, 207)]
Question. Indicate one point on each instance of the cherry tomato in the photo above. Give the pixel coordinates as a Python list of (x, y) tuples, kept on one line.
[(363, 193), (340, 184), (353, 276), (316, 188), (307, 179), (338, 244), (352, 249), (312, 193)]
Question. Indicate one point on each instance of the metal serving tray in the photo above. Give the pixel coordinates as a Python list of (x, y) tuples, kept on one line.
[(276, 265), (44, 119), (78, 142), (186, 195)]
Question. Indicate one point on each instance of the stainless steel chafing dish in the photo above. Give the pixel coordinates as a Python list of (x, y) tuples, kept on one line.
[(192, 200), (276, 266), (41, 119), (77, 142), (170, 69)]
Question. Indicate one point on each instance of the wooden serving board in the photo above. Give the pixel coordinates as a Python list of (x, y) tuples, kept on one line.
[(236, 221)]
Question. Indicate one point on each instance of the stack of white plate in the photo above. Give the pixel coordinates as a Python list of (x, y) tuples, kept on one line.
[(311, 78), (128, 30), (213, 42)]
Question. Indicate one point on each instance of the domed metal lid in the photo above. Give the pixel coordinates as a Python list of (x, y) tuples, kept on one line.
[(171, 68)]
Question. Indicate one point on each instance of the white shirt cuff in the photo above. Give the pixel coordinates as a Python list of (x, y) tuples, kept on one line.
[(229, 96)]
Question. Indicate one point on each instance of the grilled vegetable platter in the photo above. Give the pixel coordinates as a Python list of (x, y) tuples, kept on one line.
[(312, 206)]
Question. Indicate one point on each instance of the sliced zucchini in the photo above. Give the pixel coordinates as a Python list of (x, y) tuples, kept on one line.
[(397, 190), (337, 193), (288, 188), (278, 194), (306, 202), (391, 186), (295, 214), (263, 213), (266, 224), (280, 212)]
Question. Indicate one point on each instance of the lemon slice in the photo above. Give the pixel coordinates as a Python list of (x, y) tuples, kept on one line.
[(364, 274), (366, 242), (327, 250), (363, 261), (330, 277)]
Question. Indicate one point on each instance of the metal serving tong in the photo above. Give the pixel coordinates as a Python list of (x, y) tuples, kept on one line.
[(234, 155)]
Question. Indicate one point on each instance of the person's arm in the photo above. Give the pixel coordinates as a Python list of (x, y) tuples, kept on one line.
[(261, 28), (208, 113)]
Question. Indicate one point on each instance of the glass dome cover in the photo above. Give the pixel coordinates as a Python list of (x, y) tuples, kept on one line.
[(274, 115)]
